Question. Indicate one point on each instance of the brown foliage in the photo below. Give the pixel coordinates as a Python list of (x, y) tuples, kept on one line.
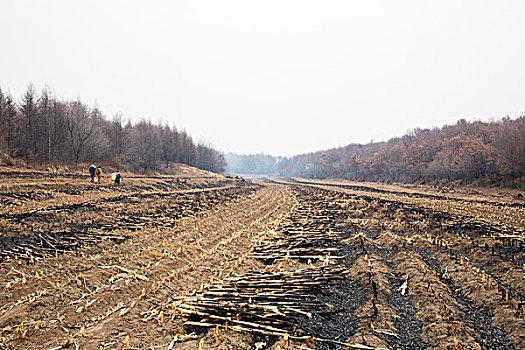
[(466, 151)]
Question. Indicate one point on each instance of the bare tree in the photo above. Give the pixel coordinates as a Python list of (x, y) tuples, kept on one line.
[(44, 109), (147, 148), (81, 125), (29, 114), (119, 136), (168, 137)]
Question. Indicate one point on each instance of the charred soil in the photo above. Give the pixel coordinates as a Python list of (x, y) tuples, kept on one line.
[(201, 261)]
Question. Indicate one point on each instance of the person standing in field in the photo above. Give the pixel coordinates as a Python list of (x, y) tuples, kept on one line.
[(92, 170), (98, 174)]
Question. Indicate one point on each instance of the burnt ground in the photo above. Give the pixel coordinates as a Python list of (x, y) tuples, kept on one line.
[(201, 261)]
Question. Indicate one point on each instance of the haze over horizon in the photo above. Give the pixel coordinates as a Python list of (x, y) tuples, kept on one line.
[(279, 77)]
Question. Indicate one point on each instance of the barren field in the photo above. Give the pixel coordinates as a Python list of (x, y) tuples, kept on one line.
[(201, 261)]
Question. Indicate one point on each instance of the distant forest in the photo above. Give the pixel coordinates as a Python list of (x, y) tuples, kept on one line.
[(486, 152), (41, 128)]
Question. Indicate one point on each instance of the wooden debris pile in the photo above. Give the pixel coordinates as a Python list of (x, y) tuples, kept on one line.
[(307, 246), (314, 232), (273, 303), (46, 244)]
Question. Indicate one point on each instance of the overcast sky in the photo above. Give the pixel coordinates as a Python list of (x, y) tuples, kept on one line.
[(280, 77)]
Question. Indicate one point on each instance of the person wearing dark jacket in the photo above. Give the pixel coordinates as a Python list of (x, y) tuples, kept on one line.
[(92, 169)]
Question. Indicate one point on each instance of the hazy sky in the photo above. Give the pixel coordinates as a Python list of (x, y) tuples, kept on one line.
[(280, 77)]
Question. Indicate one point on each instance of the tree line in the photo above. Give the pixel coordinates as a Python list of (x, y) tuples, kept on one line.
[(488, 152), (41, 128)]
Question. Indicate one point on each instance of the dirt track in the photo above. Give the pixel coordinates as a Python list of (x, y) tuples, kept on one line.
[(217, 263)]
